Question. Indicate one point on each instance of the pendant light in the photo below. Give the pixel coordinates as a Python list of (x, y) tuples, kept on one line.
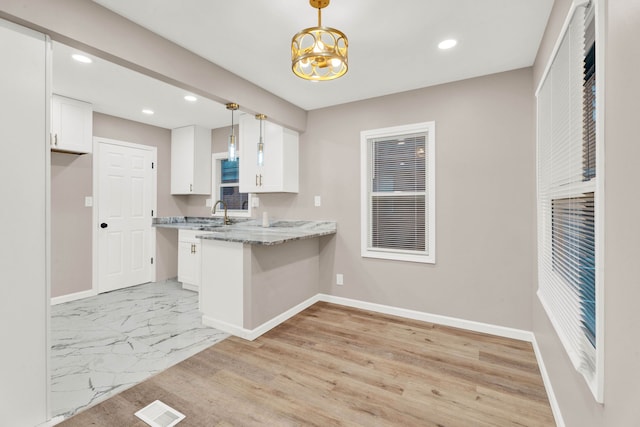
[(262, 118), (319, 53), (232, 147)]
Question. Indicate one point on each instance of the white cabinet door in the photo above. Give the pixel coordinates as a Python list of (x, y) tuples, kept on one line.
[(249, 132), (189, 259), (191, 160), (187, 264), (279, 173), (71, 125)]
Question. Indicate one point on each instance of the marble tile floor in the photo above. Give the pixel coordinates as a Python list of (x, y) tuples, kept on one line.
[(108, 343)]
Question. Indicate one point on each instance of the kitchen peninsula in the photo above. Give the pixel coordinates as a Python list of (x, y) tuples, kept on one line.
[(251, 277)]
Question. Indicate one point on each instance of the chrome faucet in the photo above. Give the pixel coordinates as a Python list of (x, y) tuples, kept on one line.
[(227, 221)]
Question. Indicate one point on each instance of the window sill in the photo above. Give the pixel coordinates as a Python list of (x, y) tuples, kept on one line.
[(395, 256)]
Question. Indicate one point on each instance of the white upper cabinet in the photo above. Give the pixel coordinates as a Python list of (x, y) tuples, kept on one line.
[(191, 160), (71, 125), (279, 173)]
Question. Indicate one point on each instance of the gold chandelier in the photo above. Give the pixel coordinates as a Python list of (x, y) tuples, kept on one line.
[(319, 53)]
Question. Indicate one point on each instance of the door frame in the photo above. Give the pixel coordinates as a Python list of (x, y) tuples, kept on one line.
[(154, 203)]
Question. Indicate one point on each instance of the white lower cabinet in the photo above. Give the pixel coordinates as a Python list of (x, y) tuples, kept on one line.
[(189, 259)]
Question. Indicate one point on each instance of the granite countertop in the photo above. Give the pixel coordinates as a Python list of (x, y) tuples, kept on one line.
[(250, 231)]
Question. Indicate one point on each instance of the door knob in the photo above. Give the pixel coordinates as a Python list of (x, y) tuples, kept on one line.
[(104, 225)]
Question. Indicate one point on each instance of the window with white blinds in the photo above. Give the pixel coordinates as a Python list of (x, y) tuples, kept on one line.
[(570, 197), (398, 193)]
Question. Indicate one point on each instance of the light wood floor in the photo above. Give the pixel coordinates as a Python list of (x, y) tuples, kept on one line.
[(331, 365)]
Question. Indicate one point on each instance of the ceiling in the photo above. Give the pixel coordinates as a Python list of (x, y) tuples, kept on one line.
[(392, 48)]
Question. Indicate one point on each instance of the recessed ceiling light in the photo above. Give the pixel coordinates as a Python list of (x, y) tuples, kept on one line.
[(147, 111), (190, 98), (447, 44), (81, 58)]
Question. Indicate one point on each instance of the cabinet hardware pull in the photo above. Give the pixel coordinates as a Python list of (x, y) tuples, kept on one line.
[(55, 140), (190, 188), (260, 180), (256, 180)]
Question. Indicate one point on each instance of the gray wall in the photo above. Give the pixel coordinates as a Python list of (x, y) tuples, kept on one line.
[(622, 234), (485, 185), (485, 175), (484, 203), (71, 222)]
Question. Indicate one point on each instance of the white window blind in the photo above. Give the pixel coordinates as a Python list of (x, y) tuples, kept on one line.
[(568, 194), (398, 193)]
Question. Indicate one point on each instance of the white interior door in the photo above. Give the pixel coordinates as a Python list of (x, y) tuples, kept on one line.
[(125, 203)]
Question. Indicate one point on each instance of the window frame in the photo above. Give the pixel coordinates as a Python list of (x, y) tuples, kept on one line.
[(366, 141), (216, 165), (594, 379)]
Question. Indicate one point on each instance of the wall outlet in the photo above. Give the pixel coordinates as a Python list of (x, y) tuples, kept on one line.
[(317, 201), (255, 202), (88, 201), (339, 279), (208, 203)]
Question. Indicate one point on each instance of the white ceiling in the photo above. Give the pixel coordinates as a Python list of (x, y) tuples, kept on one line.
[(121, 92), (392, 45)]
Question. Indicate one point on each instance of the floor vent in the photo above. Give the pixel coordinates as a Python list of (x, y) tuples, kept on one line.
[(158, 414)]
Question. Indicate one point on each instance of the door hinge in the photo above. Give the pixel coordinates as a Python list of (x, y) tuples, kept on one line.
[(151, 260)]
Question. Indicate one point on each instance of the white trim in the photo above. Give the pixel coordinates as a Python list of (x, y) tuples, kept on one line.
[(190, 287), (252, 334), (47, 217), (600, 14), (52, 422), (215, 182), (546, 379), (576, 4), (470, 325), (73, 297), (430, 221), (154, 205)]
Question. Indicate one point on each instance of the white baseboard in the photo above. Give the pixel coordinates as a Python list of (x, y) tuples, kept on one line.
[(470, 325), (52, 422), (73, 297), (252, 334), (555, 407), (190, 287)]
